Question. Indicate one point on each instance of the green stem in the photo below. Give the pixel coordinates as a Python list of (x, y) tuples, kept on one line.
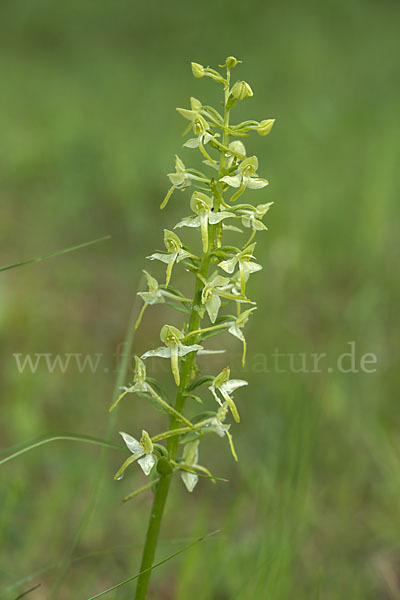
[(162, 489), (153, 530)]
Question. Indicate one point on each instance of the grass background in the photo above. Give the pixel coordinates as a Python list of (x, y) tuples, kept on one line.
[(88, 132)]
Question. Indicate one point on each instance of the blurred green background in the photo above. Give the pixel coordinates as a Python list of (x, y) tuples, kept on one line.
[(88, 131)]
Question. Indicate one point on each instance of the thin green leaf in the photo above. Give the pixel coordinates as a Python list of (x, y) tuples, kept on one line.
[(99, 470), (140, 490), (194, 397), (210, 334), (56, 437), (32, 589), (178, 307), (152, 401), (28, 578), (58, 253), (161, 562), (200, 381)]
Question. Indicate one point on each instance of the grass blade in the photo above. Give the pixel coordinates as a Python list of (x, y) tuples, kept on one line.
[(158, 564), (111, 423), (53, 438), (58, 253)]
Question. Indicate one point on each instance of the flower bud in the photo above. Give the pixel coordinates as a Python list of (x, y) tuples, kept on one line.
[(231, 62), (241, 90), (265, 126), (198, 70)]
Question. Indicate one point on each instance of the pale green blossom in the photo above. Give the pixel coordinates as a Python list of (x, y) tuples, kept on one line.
[(236, 327), (202, 205), (173, 349), (217, 425), (216, 288), (155, 295), (142, 452), (200, 127), (226, 387), (175, 254), (182, 179), (245, 177), (142, 386), (246, 265), (251, 217)]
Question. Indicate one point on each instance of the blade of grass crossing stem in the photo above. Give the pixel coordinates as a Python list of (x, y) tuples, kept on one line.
[(53, 254), (97, 479), (98, 553), (158, 564)]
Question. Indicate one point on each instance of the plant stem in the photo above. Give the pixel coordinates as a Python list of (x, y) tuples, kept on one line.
[(162, 489), (153, 530)]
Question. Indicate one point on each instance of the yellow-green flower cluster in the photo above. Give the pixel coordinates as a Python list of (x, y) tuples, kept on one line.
[(220, 266)]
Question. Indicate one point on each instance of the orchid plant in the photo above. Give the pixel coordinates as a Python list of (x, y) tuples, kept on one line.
[(221, 273)]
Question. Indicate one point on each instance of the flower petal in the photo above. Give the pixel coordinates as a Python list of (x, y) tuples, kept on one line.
[(228, 265), (162, 352), (133, 444), (236, 332), (191, 143), (157, 256), (212, 306), (233, 181), (214, 393), (250, 267), (218, 427), (188, 222), (147, 463), (256, 183), (152, 297), (183, 350), (217, 217), (190, 480), (233, 384)]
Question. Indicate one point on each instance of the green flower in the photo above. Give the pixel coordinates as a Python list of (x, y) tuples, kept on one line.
[(217, 425), (251, 217), (142, 451), (226, 387), (213, 291), (202, 205), (194, 115), (182, 179), (141, 386), (176, 253), (245, 177), (236, 329), (246, 266), (200, 127), (173, 349), (155, 295)]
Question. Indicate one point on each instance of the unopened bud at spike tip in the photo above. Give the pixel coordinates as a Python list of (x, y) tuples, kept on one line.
[(231, 62), (198, 70)]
